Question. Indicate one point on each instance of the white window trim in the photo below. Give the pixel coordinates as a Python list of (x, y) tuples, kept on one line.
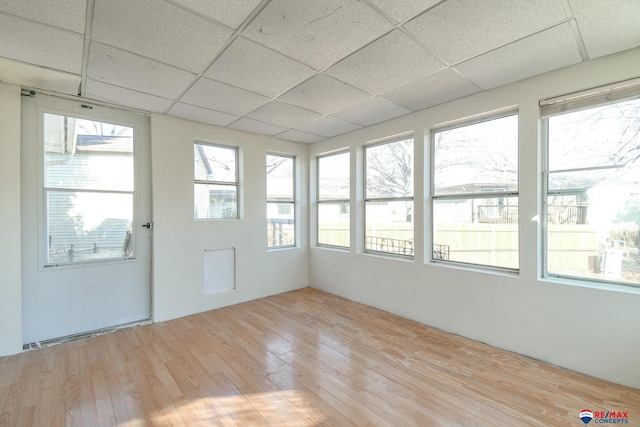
[(457, 196), (235, 183), (43, 245), (320, 201), (597, 97), (293, 201), (386, 199)]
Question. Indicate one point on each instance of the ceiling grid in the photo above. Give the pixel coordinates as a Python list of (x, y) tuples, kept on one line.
[(301, 71)]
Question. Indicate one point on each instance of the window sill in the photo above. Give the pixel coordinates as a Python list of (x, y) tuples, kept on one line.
[(215, 219), (281, 248), (602, 286), (333, 248), (393, 257), (87, 263), (475, 268)]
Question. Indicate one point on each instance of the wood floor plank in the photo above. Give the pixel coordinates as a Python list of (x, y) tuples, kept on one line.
[(299, 359)]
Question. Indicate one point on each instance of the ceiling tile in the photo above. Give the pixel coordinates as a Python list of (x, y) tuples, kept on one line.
[(253, 67), (403, 10), (432, 90), (158, 30), (33, 76), (41, 44), (127, 97), (607, 27), (203, 115), (229, 13), (546, 51), (328, 126), (221, 97), (297, 136), (390, 61), (324, 94), (67, 14), (120, 68), (456, 30), (372, 111), (283, 114), (317, 33), (254, 126)]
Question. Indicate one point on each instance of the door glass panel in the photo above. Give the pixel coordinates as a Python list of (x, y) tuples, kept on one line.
[(85, 226), (88, 186), (84, 154)]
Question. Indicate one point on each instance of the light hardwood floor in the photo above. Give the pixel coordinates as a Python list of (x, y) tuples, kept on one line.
[(304, 358)]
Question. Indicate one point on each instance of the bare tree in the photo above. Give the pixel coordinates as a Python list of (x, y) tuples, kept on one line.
[(274, 162), (100, 128), (485, 152), (390, 169)]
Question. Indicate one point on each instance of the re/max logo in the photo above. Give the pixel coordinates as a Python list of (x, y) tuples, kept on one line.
[(610, 417), (610, 414)]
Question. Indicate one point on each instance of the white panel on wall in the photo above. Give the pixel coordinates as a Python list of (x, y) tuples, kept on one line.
[(219, 270)]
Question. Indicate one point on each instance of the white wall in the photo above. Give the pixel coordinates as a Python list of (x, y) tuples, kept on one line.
[(10, 246), (590, 329), (179, 240)]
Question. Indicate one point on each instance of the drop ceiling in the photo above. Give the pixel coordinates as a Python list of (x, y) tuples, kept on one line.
[(300, 70)]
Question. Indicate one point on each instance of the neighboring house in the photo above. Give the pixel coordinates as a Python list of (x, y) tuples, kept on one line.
[(211, 201), (77, 224)]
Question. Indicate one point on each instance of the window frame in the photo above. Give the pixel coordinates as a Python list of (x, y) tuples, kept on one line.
[(320, 201), (235, 183), (44, 249), (602, 96), (366, 198), (279, 201), (435, 257)]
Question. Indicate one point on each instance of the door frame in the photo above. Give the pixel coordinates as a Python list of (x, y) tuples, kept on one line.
[(32, 131)]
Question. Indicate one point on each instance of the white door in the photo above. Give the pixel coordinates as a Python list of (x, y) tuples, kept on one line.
[(86, 198)]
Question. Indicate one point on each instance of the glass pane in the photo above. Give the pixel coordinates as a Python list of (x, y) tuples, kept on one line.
[(602, 136), (389, 227), (389, 170), (333, 224), (595, 235), (477, 158), (215, 201), (85, 226), (279, 177), (85, 154), (477, 231), (333, 177), (585, 179), (281, 224), (212, 163)]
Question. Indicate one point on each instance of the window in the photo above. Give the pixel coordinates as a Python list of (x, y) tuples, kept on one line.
[(389, 198), (88, 187), (333, 200), (474, 200), (216, 181), (281, 210), (592, 184)]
